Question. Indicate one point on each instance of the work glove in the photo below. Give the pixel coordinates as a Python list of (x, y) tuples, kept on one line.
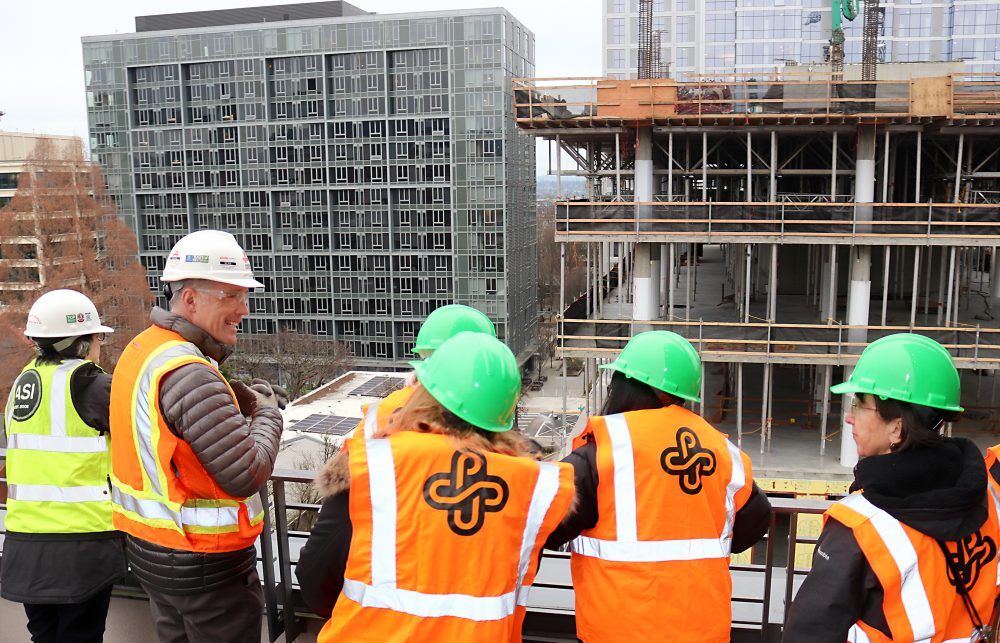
[(279, 392), (255, 397)]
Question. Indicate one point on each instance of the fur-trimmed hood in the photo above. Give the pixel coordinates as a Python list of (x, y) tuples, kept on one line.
[(335, 477)]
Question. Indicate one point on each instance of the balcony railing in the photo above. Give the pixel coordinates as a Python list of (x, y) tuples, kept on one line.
[(764, 579), (918, 224)]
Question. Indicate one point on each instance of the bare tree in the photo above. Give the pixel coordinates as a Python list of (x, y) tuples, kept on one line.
[(308, 494), (550, 263), (62, 231), (298, 361)]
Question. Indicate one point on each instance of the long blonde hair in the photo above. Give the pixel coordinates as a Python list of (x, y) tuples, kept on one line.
[(423, 414)]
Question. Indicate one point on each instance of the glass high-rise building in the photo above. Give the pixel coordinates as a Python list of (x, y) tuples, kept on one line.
[(707, 37), (369, 164)]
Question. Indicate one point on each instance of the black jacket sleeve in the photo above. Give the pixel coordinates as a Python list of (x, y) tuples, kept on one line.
[(320, 570), (90, 388), (751, 521), (584, 515), (840, 589)]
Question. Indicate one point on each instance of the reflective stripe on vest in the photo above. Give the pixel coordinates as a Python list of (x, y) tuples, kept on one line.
[(371, 420), (56, 444), (50, 493), (858, 635), (153, 505), (57, 403), (627, 547), (144, 416), (201, 513), (57, 465), (912, 592), (383, 592)]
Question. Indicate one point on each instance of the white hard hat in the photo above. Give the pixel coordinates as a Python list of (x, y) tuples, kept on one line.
[(63, 313), (213, 255)]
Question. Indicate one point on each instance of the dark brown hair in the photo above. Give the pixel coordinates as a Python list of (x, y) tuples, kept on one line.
[(629, 394), (921, 425)]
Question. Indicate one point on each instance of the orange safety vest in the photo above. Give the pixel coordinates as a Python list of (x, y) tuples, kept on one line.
[(446, 541), (160, 491), (669, 486), (377, 414), (920, 603)]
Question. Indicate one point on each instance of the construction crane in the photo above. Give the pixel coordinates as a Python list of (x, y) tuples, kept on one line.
[(841, 9), (869, 47)]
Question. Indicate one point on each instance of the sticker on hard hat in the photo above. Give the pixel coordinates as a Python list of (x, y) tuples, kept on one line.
[(195, 258), (27, 395), (78, 318)]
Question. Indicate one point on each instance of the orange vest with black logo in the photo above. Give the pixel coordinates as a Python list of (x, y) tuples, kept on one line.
[(656, 565), (921, 603), (377, 414), (160, 491), (446, 541)]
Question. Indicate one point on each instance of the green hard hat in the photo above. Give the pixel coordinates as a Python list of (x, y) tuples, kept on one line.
[(909, 368), (449, 320), (664, 360), (475, 376)]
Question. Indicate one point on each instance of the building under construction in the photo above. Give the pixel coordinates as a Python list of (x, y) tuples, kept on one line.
[(780, 224)]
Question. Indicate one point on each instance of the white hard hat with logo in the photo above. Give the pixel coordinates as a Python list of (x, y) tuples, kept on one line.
[(64, 313), (212, 255)]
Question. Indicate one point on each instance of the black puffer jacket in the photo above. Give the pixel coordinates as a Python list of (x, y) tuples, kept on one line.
[(940, 492), (238, 453)]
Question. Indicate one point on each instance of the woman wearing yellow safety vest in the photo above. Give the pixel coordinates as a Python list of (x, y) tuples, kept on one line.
[(662, 500), (433, 532), (442, 323), (61, 554), (911, 554)]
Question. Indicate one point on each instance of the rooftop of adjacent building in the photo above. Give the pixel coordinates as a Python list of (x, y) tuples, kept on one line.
[(245, 15)]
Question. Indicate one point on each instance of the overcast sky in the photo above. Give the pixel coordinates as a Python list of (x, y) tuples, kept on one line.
[(41, 78)]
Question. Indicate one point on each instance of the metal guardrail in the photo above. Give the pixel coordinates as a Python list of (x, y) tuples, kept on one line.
[(285, 614), (568, 99), (971, 346), (918, 224)]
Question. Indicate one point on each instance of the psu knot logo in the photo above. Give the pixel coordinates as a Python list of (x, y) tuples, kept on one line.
[(689, 461), (467, 492), (974, 553)]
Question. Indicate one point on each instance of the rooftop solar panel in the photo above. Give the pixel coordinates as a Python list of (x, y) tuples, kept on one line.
[(326, 424), (379, 386)]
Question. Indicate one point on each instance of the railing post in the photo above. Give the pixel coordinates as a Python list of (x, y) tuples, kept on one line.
[(793, 528), (930, 214), (765, 615), (709, 220), (975, 352), (267, 562), (288, 618), (782, 221)]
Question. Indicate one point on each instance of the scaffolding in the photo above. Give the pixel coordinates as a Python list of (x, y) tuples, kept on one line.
[(835, 212)]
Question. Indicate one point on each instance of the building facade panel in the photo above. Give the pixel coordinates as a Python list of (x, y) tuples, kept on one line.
[(368, 165)]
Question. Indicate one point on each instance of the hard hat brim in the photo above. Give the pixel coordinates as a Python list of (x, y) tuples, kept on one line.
[(247, 282), (90, 331)]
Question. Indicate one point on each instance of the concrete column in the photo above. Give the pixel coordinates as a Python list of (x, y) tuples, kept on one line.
[(859, 293), (994, 276), (664, 278), (645, 305), (654, 277)]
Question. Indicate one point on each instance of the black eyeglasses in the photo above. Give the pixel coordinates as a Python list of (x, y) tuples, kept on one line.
[(101, 337)]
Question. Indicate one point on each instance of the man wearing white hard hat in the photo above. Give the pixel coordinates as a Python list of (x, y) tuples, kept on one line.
[(61, 555), (190, 451)]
